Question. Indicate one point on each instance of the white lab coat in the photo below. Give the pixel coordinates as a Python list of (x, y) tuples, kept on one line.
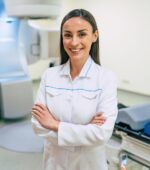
[(77, 145)]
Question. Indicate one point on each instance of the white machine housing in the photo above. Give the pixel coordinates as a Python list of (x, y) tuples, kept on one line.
[(33, 8), (16, 94)]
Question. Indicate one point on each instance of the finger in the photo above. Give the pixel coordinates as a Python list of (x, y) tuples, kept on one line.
[(99, 113), (36, 116), (98, 121), (38, 108), (36, 112), (97, 124), (40, 105), (99, 118), (95, 121)]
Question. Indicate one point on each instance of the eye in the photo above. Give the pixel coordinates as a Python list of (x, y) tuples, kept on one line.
[(82, 34), (67, 35)]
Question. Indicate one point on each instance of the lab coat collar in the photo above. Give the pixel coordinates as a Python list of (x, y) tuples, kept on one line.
[(85, 72)]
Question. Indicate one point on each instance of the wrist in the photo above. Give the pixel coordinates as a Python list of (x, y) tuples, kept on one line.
[(56, 126)]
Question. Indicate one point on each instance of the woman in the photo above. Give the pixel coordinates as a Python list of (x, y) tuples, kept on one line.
[(76, 105)]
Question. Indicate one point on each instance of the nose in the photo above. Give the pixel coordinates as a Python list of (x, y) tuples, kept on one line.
[(75, 41)]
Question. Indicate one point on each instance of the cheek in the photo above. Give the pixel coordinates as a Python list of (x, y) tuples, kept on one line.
[(88, 44), (88, 41), (65, 43)]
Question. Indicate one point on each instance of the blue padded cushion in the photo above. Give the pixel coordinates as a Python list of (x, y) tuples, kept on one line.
[(147, 129)]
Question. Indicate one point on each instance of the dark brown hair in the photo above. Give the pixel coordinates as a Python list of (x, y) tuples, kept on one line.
[(94, 51)]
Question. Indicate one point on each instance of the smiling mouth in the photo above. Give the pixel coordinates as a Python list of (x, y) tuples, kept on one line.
[(76, 51)]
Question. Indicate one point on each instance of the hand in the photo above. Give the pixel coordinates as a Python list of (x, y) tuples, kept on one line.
[(44, 117), (123, 168), (99, 119)]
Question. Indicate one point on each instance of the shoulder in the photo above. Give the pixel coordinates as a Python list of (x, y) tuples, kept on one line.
[(108, 73), (104, 72), (54, 69), (52, 72), (105, 76)]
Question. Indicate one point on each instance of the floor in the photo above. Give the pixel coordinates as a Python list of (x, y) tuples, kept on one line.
[(20, 161), (10, 160)]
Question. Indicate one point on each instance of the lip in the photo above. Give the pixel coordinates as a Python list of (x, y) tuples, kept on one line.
[(76, 51)]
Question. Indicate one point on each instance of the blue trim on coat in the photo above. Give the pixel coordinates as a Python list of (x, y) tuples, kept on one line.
[(88, 68), (77, 89)]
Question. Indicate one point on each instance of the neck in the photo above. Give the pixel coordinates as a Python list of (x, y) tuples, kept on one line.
[(76, 67), (75, 70)]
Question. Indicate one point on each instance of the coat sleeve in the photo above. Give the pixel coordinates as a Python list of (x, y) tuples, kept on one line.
[(88, 135), (38, 129)]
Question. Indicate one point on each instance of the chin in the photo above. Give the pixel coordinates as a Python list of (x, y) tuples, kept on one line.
[(76, 57)]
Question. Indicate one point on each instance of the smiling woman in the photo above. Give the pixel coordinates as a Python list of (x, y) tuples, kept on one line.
[(78, 37), (76, 105)]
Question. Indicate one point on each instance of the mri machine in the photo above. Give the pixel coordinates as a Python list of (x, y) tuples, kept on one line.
[(20, 45)]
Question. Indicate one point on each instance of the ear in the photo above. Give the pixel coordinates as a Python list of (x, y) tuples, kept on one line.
[(95, 36)]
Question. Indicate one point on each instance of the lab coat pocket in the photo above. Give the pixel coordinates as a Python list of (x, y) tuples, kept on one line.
[(87, 104), (53, 101), (53, 97), (89, 95), (53, 93), (89, 100)]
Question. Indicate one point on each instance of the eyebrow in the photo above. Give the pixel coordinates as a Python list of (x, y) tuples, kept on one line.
[(78, 30)]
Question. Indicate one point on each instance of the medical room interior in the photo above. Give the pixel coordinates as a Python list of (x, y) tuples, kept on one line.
[(29, 44)]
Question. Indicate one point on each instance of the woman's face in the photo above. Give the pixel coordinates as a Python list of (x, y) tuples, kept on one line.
[(78, 37)]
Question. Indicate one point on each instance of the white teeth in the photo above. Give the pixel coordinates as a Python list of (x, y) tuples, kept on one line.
[(75, 50)]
